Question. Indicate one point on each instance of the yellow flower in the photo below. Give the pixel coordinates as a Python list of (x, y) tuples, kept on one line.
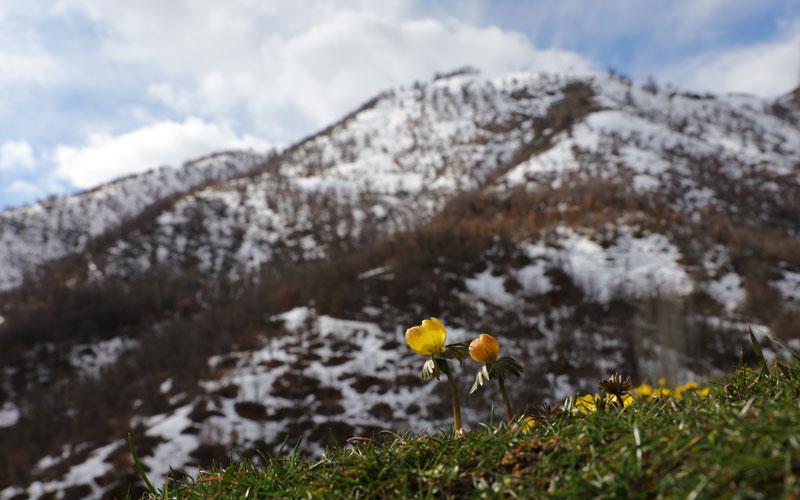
[(586, 404), (663, 390), (428, 338), (526, 423), (644, 391), (484, 349), (627, 400)]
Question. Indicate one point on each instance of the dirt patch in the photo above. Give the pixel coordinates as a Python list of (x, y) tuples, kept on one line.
[(330, 407), (337, 360), (227, 363), (288, 412), (298, 427), (407, 381), (363, 383), (251, 410), (295, 386), (382, 411), (271, 364), (344, 346), (201, 412), (77, 492), (328, 392), (229, 391), (331, 433), (208, 454), (391, 345)]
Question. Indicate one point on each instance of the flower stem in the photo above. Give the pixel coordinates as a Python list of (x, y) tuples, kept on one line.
[(506, 401), (456, 404)]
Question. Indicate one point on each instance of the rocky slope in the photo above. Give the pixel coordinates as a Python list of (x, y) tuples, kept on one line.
[(591, 223)]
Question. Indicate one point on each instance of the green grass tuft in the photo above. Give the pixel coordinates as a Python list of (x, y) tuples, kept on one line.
[(743, 441)]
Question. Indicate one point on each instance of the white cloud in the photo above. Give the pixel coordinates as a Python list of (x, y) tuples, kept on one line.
[(767, 69), (16, 154), (324, 71), (284, 70), (163, 143)]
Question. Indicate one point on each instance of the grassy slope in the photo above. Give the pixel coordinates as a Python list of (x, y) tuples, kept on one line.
[(744, 441)]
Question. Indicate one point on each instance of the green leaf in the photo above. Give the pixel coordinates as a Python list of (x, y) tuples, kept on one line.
[(505, 366), (457, 351), (785, 370), (442, 365), (139, 468), (229, 475), (775, 340), (757, 348)]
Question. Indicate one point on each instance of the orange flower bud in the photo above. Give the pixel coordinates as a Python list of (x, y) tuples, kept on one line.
[(484, 349)]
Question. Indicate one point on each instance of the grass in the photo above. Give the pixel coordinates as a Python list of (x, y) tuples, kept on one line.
[(742, 441)]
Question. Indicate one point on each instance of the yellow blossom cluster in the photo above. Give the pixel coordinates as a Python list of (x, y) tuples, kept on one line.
[(587, 403), (662, 390)]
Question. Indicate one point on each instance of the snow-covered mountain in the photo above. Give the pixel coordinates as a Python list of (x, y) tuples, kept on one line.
[(591, 223), (35, 234)]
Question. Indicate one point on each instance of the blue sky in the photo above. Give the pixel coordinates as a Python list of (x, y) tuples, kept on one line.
[(95, 89)]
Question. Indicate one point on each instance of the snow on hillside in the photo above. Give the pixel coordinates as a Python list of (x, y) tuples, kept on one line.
[(389, 166), (632, 267), (49, 229), (396, 162), (659, 136)]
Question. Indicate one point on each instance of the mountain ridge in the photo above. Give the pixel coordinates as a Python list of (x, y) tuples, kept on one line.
[(591, 223)]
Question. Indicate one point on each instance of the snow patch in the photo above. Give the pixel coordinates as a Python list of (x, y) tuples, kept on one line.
[(91, 357), (727, 290), (294, 318), (177, 447), (789, 286), (84, 473), (490, 288), (630, 267), (165, 386), (533, 278), (9, 414)]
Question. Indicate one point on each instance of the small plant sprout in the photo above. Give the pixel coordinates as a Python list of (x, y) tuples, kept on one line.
[(428, 340), (485, 350)]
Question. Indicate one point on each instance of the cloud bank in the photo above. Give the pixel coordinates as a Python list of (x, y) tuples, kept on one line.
[(106, 157), (767, 69)]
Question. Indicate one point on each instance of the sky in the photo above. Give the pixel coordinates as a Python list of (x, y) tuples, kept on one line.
[(91, 90)]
